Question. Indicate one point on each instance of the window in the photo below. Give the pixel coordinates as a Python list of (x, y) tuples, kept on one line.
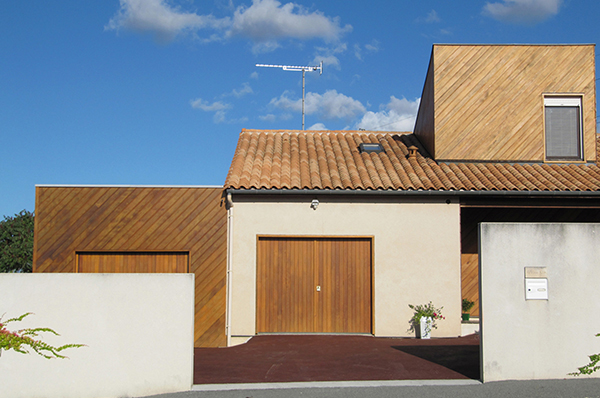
[(370, 147), (563, 128)]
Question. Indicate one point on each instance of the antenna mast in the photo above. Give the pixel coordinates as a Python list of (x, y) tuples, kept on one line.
[(302, 69)]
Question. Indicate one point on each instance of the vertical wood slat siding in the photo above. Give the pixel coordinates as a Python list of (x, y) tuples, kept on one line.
[(84, 220), (488, 100), (288, 271)]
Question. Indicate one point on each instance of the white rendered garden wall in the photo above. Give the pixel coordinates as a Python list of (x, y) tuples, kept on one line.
[(538, 339), (138, 331)]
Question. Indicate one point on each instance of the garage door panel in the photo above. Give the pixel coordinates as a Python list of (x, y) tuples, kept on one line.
[(132, 262), (282, 287), (344, 303)]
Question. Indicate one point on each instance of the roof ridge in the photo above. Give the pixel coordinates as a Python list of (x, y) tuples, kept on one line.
[(293, 131)]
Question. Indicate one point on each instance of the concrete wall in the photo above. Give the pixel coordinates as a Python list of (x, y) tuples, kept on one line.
[(138, 329), (416, 254), (539, 339)]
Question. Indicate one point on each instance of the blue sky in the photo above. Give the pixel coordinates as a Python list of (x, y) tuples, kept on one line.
[(156, 92)]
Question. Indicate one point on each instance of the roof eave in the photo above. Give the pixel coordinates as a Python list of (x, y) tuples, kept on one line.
[(264, 191)]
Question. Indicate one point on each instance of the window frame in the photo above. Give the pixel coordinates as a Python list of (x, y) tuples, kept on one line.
[(563, 100)]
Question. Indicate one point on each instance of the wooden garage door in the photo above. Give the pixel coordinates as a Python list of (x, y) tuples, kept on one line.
[(129, 262), (314, 285)]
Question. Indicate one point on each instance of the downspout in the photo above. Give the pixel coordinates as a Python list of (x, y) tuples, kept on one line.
[(229, 261)]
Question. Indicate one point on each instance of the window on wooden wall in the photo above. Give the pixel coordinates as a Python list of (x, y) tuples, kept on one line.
[(563, 128)]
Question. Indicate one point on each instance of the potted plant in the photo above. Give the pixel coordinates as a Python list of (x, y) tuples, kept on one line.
[(466, 307), (424, 319)]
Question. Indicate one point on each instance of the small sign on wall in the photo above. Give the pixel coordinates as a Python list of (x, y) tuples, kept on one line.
[(536, 283)]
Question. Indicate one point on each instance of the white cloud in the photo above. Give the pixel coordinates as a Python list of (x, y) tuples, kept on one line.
[(522, 11), (265, 47), (264, 22), (284, 102), (158, 18), (331, 105), (221, 117), (373, 47), (432, 17), (328, 55), (328, 60), (199, 103), (246, 89), (268, 118), (403, 106), (358, 52), (396, 115), (254, 75), (335, 105), (317, 126), (238, 120), (268, 20), (219, 108)]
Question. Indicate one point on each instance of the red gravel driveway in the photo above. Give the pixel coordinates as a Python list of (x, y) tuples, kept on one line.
[(295, 358)]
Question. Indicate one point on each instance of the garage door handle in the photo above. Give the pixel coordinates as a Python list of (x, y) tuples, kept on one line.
[(318, 288)]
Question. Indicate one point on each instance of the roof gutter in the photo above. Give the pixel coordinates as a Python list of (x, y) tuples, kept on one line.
[(526, 194)]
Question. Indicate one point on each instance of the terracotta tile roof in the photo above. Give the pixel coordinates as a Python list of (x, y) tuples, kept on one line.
[(277, 159)]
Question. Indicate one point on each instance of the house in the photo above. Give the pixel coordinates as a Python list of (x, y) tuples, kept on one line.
[(503, 133), (338, 231)]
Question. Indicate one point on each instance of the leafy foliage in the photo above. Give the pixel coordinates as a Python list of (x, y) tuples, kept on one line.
[(467, 305), (21, 339), (427, 311), (591, 367), (16, 242)]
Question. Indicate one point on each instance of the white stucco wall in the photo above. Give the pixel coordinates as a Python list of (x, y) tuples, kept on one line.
[(416, 255), (539, 339), (138, 329)]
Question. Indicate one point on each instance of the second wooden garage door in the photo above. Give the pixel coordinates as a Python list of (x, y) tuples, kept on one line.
[(133, 262), (314, 285)]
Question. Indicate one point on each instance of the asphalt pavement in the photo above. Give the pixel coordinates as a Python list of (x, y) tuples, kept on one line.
[(564, 388)]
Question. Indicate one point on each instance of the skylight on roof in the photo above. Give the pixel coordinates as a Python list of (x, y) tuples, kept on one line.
[(370, 147)]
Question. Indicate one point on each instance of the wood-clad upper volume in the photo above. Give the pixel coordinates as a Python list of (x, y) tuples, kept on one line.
[(486, 102)]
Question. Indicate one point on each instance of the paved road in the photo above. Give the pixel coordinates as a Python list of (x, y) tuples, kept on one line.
[(570, 388)]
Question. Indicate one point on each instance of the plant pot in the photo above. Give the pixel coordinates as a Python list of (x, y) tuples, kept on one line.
[(466, 317), (423, 328)]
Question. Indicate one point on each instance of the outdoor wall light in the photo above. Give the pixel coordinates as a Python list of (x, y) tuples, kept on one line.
[(314, 204)]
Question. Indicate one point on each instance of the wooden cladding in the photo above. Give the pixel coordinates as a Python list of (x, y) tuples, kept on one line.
[(469, 272), (488, 100), (425, 123), (125, 262), (314, 285), (165, 224)]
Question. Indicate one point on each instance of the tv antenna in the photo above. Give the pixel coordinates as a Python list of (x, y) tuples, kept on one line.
[(302, 69)]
